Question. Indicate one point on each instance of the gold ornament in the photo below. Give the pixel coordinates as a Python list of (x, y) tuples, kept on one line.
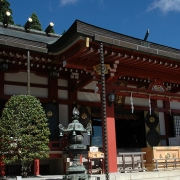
[(49, 113), (151, 119), (84, 116)]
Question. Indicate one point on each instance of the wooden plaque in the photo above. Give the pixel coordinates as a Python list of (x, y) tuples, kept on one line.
[(95, 154)]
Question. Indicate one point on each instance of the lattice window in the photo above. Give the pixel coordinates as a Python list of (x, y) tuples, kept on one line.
[(176, 126)]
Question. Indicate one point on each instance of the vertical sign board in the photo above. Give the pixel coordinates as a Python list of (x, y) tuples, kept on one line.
[(51, 110), (84, 119), (152, 128)]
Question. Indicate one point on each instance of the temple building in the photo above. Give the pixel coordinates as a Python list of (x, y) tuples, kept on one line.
[(127, 88)]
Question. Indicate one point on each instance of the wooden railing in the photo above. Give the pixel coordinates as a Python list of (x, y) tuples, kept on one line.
[(131, 161), (166, 163)]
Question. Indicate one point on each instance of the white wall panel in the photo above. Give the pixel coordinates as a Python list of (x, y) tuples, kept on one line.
[(38, 80), (137, 101), (162, 124), (22, 77), (16, 90), (174, 105), (62, 94), (84, 96), (91, 85), (62, 82), (159, 103), (63, 114), (39, 92)]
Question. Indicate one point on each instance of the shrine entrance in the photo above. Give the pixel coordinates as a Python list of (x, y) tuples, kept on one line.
[(130, 129)]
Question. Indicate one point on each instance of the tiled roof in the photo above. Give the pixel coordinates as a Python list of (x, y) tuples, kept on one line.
[(32, 35)]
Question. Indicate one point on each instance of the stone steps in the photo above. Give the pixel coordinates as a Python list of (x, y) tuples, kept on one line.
[(153, 175)]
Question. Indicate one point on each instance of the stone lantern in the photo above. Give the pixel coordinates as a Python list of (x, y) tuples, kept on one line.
[(75, 138)]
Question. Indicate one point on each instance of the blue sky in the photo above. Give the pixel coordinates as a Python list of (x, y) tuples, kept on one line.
[(129, 17)]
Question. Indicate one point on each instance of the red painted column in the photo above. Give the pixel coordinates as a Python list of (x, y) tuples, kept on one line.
[(53, 88), (36, 167), (2, 167), (72, 95), (111, 139), (1, 84)]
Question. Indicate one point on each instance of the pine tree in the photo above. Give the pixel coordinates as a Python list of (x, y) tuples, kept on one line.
[(4, 7), (36, 25), (24, 131)]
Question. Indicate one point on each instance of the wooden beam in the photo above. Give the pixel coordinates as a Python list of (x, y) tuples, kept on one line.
[(145, 108), (71, 53), (175, 89), (110, 77), (25, 84), (82, 83), (74, 65), (143, 73), (143, 93), (148, 65)]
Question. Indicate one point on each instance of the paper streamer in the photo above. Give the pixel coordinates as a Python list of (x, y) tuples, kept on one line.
[(132, 106), (149, 105), (169, 106)]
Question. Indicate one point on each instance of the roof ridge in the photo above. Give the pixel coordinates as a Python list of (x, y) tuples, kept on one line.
[(18, 28)]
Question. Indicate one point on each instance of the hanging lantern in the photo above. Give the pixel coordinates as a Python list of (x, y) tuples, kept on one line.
[(111, 98), (4, 66), (53, 74)]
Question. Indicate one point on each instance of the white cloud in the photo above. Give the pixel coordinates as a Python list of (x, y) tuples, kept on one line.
[(165, 5), (64, 2)]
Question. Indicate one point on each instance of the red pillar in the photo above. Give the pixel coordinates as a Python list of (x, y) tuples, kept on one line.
[(2, 167), (1, 84), (72, 96), (53, 89), (36, 167), (111, 139)]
